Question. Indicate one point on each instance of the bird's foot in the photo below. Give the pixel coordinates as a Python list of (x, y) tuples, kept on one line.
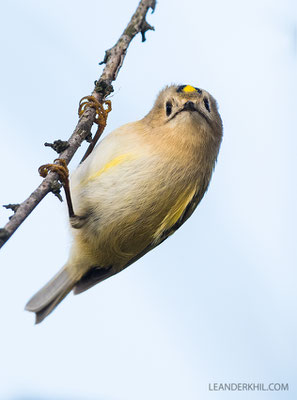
[(77, 222), (101, 111), (60, 167)]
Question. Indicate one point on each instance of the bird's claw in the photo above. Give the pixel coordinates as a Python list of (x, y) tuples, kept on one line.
[(60, 167)]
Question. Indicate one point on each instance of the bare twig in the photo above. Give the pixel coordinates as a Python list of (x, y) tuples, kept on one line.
[(113, 59), (59, 145)]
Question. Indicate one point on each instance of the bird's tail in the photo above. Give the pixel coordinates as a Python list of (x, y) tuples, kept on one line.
[(47, 298)]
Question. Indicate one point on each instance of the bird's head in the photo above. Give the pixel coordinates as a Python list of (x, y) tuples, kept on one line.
[(182, 106)]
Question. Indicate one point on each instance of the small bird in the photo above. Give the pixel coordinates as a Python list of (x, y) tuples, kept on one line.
[(136, 188)]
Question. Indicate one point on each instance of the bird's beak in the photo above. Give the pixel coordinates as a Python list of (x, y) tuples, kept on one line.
[(189, 106)]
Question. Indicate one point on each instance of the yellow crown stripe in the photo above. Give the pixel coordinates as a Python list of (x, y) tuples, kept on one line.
[(189, 88)]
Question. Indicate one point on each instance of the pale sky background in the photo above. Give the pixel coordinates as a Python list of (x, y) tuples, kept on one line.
[(217, 301)]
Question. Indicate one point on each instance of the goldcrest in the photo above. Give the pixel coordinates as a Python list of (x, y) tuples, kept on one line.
[(138, 186)]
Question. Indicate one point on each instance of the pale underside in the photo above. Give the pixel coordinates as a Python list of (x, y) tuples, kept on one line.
[(129, 208)]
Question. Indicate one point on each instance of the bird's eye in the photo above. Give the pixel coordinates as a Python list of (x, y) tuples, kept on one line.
[(206, 103), (168, 108)]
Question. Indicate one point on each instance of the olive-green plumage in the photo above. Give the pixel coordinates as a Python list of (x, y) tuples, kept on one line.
[(137, 187)]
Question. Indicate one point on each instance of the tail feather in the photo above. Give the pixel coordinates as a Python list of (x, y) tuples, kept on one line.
[(44, 312), (47, 298)]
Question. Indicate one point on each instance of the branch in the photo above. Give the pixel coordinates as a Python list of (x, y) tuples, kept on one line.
[(113, 61)]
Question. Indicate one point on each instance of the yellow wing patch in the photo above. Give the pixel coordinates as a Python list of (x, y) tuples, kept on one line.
[(176, 212), (113, 163)]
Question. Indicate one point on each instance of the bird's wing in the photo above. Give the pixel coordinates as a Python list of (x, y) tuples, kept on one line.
[(92, 277), (185, 213), (176, 212), (113, 162), (182, 210), (114, 150)]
